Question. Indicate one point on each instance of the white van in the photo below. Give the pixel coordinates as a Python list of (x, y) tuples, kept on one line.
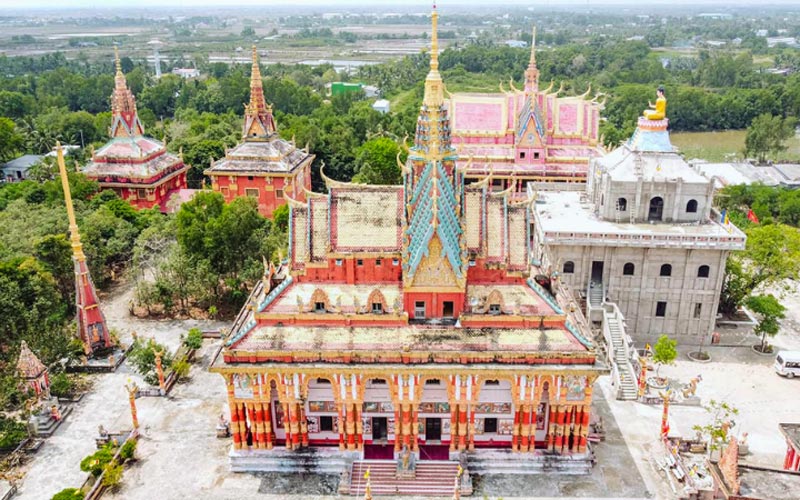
[(787, 363)]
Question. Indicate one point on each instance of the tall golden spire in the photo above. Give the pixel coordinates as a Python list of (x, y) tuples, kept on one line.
[(125, 119), (74, 236), (434, 91), (532, 73)]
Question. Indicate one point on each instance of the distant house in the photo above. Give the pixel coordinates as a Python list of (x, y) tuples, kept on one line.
[(186, 72), (516, 44), (789, 41), (339, 88), (381, 106), (17, 169)]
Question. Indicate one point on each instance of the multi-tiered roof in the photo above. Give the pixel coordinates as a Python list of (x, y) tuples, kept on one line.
[(130, 159)]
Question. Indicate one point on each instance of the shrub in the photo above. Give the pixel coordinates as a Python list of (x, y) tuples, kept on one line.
[(11, 433), (142, 357), (194, 339), (181, 369), (97, 461), (128, 449), (113, 475), (62, 385), (69, 494)]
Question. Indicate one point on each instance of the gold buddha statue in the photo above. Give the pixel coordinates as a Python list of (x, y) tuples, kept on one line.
[(657, 111)]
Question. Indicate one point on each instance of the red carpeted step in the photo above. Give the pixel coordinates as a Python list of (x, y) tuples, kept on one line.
[(432, 478)]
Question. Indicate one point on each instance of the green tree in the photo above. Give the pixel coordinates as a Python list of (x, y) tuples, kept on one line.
[(143, 358), (248, 32), (11, 141), (376, 162), (769, 311), (194, 339), (69, 494), (664, 352), (55, 253), (717, 430), (767, 135), (97, 461)]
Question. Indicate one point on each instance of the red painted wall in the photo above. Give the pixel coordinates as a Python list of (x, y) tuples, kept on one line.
[(267, 189), (162, 192), (434, 303), (348, 270)]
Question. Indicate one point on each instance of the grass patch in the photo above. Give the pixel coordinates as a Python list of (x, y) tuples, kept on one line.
[(725, 145)]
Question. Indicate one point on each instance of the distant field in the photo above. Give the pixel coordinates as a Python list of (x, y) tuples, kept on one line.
[(721, 146)]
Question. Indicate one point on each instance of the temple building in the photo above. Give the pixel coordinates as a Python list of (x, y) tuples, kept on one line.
[(644, 236), (525, 134), (406, 320), (138, 168), (33, 373), (263, 165), (91, 323)]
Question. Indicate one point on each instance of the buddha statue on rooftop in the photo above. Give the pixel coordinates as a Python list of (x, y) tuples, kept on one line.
[(657, 111)]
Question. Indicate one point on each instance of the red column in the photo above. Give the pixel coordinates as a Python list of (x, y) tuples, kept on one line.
[(414, 427), (471, 428), (287, 425), (266, 412), (398, 428), (533, 427), (406, 424), (453, 425), (787, 462), (237, 438), (462, 427), (256, 425), (359, 426), (525, 428), (342, 424), (303, 425), (243, 424)]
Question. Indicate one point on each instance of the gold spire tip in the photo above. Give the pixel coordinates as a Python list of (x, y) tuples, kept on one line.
[(117, 62)]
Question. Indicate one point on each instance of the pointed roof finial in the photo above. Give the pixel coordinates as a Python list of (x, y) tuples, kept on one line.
[(28, 365), (117, 62), (434, 92), (258, 120), (532, 73)]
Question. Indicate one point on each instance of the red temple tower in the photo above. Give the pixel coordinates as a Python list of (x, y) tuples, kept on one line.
[(92, 328), (138, 168), (262, 166)]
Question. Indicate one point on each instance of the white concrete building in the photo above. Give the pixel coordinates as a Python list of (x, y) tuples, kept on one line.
[(643, 235)]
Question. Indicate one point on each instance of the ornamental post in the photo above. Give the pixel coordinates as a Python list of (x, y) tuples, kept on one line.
[(160, 370), (132, 390)]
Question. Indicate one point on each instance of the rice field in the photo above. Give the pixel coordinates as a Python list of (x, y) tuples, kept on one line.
[(725, 145)]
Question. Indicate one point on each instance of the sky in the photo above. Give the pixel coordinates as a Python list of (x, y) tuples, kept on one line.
[(106, 4)]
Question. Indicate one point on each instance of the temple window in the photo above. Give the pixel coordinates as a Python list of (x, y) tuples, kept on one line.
[(377, 262), (279, 193), (569, 267), (249, 177), (622, 205), (698, 309), (319, 307), (377, 308), (703, 271), (433, 381), (253, 193), (471, 262), (656, 209), (326, 424), (535, 155), (141, 193), (628, 269), (490, 425), (691, 207), (359, 262), (661, 309), (338, 262), (666, 270), (323, 381), (419, 309), (377, 381), (494, 309), (395, 262), (492, 382), (522, 155)]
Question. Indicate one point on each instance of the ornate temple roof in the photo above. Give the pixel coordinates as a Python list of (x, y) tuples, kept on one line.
[(28, 365), (129, 157), (262, 150)]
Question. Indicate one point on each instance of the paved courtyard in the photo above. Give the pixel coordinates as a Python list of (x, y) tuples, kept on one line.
[(180, 456)]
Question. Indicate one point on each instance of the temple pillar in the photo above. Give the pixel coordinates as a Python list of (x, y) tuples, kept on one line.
[(471, 428), (551, 432), (235, 422), (266, 409), (415, 428), (342, 424), (462, 427), (453, 424), (515, 431), (787, 462), (287, 425), (525, 428), (303, 424), (532, 427)]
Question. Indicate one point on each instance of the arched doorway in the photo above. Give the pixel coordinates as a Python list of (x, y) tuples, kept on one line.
[(656, 212), (378, 420)]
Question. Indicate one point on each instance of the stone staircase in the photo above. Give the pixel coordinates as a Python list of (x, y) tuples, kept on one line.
[(596, 294), (538, 462), (433, 479), (316, 460), (628, 389), (46, 426)]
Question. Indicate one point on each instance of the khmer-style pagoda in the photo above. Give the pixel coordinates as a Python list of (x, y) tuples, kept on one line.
[(92, 328), (136, 167), (33, 372), (525, 134), (263, 165), (406, 316)]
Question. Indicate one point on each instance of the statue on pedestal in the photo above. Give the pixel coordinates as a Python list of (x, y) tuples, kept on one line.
[(657, 111)]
